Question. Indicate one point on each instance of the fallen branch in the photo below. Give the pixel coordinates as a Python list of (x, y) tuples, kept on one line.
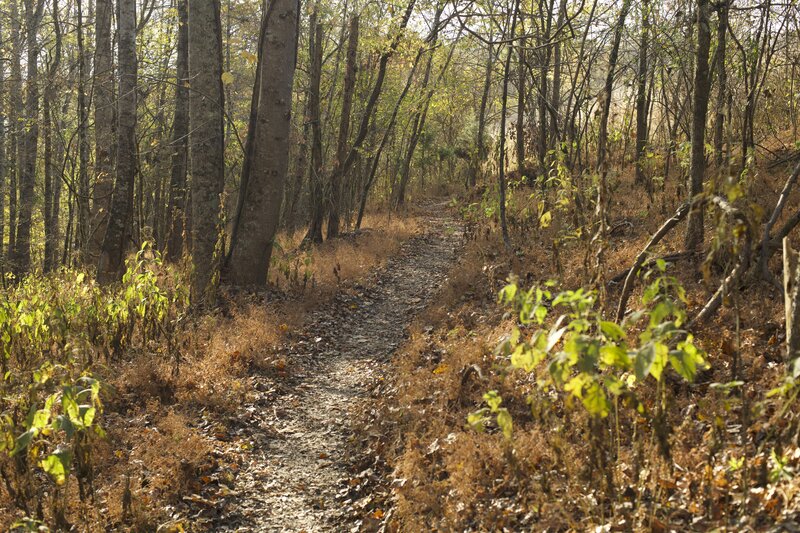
[(769, 245), (665, 228), (733, 279), (669, 258)]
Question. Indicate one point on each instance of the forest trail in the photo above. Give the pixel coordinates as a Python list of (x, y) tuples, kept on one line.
[(293, 477)]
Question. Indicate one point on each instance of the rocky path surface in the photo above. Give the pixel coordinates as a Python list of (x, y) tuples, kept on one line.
[(294, 472)]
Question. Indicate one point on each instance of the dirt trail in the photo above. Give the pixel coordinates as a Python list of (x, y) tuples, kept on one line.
[(292, 478)]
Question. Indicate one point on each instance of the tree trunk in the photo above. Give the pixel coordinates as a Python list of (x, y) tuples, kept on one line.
[(84, 222), (722, 85), (104, 126), (258, 221), (51, 181), (207, 143), (15, 120), (176, 210), (641, 100), (344, 127), (22, 252), (317, 164), (3, 164), (481, 142), (503, 108), (702, 82), (791, 291), (120, 217), (520, 126)]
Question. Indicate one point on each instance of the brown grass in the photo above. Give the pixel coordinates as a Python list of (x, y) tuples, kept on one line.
[(162, 425), (448, 477)]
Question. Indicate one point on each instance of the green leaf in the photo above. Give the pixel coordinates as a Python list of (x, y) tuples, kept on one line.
[(493, 400), (504, 422), (57, 465), (659, 361), (595, 400), (613, 355), (24, 440), (612, 330), (643, 362)]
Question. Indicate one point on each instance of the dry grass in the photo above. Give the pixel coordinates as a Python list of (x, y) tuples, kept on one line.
[(321, 269), (162, 425), (448, 477)]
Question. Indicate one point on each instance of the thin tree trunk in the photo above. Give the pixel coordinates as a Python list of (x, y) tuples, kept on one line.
[(51, 207), (481, 141), (84, 222), (641, 99), (315, 118), (22, 252), (722, 85), (702, 82), (176, 210), (503, 108), (104, 128), (344, 127), (118, 233)]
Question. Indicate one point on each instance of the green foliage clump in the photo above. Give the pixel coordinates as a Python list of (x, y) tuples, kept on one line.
[(598, 362), (54, 332)]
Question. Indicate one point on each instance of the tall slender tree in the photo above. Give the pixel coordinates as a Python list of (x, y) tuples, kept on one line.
[(702, 88), (118, 233)]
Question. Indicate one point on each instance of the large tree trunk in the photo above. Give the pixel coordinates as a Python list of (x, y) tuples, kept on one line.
[(118, 232), (314, 116), (22, 252), (104, 126), (176, 210), (258, 221), (344, 127), (702, 82), (207, 143)]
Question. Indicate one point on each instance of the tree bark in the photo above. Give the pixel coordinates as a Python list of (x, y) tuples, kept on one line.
[(641, 99), (120, 218), (206, 143), (84, 222), (702, 82), (104, 128), (344, 127), (258, 221), (176, 210), (51, 199), (722, 85), (22, 251), (315, 118)]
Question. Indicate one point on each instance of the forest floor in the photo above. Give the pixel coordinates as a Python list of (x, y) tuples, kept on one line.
[(294, 440)]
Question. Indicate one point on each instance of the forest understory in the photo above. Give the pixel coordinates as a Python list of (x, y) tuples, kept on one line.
[(427, 265)]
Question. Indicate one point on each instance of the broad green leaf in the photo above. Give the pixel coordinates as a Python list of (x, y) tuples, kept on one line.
[(504, 422), (612, 330), (57, 465), (613, 355)]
